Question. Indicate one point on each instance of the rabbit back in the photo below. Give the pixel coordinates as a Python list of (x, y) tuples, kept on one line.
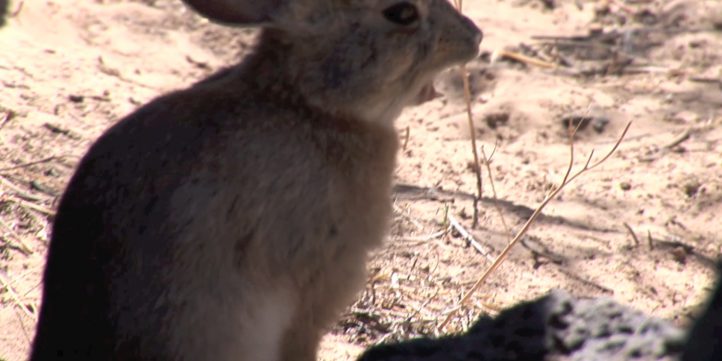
[(202, 219)]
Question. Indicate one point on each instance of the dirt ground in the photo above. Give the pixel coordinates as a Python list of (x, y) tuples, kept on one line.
[(644, 227)]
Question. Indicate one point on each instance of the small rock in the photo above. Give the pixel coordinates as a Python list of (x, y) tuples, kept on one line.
[(76, 98), (495, 120), (691, 187), (582, 121)]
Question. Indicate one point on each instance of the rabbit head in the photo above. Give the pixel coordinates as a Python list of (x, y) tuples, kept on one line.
[(362, 58)]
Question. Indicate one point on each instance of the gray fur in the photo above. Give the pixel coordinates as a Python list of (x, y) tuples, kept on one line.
[(232, 220)]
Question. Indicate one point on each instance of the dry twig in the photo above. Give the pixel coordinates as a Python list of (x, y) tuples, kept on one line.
[(522, 58), (14, 296), (32, 206), (21, 245), (477, 165), (48, 159), (631, 233), (468, 237), (470, 117), (487, 163), (17, 10), (422, 239), (568, 177), (406, 138), (679, 139)]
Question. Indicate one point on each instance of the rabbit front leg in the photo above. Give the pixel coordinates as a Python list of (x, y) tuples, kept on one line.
[(300, 342), (265, 324), (323, 299)]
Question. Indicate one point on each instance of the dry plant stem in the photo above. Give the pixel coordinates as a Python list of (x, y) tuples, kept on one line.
[(422, 239), (459, 4), (679, 139), (468, 237), (24, 165), (17, 10), (487, 163), (467, 98), (403, 214), (421, 307), (7, 183), (453, 222), (568, 177), (32, 206), (477, 165), (4, 283), (525, 59), (406, 138), (631, 233), (21, 245), (22, 327)]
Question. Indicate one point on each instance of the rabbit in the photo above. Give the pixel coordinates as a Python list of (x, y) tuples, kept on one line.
[(232, 220)]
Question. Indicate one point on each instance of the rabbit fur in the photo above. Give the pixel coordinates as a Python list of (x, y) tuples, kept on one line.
[(232, 220)]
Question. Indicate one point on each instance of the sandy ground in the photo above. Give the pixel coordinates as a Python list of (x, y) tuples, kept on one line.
[(644, 227)]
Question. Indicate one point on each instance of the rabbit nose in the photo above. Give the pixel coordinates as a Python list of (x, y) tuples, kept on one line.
[(477, 33), (479, 36)]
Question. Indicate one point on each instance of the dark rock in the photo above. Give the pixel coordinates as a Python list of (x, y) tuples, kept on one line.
[(554, 327)]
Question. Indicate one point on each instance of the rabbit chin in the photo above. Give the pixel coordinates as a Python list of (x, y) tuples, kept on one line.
[(380, 106), (384, 110)]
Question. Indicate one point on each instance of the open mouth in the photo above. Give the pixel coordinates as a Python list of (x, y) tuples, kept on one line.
[(426, 93)]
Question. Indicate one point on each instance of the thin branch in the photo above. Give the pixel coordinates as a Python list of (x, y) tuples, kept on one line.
[(493, 151), (679, 139), (468, 237), (422, 239), (470, 117), (21, 245), (522, 58), (477, 165), (487, 163), (596, 164), (29, 205), (4, 283), (24, 165), (614, 149), (568, 177), (22, 327), (631, 233), (17, 10)]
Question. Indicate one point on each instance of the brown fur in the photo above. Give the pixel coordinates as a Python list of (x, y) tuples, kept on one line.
[(228, 221)]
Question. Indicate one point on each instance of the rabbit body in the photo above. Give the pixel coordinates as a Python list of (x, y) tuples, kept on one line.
[(232, 220)]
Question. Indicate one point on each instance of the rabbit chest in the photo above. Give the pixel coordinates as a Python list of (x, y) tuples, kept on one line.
[(293, 196)]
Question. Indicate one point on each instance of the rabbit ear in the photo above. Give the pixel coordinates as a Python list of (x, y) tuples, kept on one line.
[(238, 12)]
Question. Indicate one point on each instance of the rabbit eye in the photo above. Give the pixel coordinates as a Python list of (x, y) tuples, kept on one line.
[(403, 13)]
